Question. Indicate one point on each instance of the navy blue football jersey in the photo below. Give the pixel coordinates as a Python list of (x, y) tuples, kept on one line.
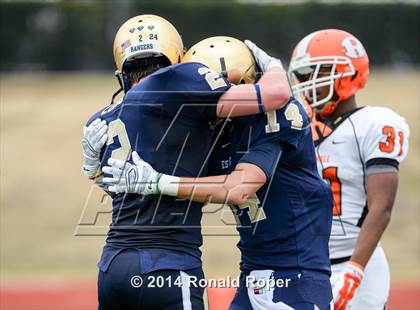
[(165, 118), (286, 226)]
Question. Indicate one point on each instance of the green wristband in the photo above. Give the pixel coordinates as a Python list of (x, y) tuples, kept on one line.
[(158, 176)]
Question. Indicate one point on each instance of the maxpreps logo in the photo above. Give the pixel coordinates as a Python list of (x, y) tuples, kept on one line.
[(141, 47)]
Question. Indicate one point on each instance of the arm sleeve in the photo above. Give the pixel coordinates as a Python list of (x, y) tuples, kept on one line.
[(385, 168), (386, 141), (264, 155)]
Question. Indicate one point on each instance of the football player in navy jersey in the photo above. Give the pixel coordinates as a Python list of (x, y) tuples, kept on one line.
[(164, 116), (282, 206)]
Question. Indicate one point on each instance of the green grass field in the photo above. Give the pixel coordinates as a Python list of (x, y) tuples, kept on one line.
[(43, 191)]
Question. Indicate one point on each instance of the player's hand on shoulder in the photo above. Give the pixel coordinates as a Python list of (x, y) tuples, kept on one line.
[(263, 60), (137, 178), (94, 138), (345, 284)]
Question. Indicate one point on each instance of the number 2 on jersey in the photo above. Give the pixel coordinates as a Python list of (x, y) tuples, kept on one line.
[(330, 174), (117, 129), (212, 77)]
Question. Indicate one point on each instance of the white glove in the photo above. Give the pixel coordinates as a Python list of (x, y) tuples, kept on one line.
[(139, 178), (94, 138), (264, 61), (345, 284)]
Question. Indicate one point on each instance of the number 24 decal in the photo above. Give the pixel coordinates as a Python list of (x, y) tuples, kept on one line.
[(389, 145)]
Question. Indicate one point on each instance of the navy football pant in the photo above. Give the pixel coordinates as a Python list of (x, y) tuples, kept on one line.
[(278, 290), (123, 287)]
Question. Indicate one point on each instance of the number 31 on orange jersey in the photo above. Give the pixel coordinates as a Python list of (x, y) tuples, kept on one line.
[(388, 145)]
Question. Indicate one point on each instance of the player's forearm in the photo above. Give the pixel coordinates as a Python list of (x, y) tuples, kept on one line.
[(207, 189), (371, 232), (275, 89), (233, 188), (243, 100), (381, 191)]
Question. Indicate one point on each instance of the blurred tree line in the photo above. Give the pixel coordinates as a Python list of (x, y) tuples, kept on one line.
[(78, 35)]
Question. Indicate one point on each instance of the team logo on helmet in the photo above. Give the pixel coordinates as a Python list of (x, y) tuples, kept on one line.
[(353, 48)]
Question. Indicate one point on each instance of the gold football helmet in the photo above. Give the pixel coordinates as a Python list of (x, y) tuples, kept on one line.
[(146, 36), (228, 56)]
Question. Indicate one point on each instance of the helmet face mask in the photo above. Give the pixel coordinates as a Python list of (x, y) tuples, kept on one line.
[(332, 59), (228, 56), (307, 79)]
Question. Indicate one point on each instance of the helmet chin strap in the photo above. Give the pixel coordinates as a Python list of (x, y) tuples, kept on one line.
[(329, 107), (119, 90)]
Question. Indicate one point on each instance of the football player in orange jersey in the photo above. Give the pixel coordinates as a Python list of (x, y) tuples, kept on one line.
[(359, 150)]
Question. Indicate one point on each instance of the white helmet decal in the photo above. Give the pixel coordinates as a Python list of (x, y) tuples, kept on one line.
[(353, 48), (302, 48)]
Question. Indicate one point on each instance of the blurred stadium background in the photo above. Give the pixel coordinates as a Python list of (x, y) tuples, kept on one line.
[(56, 69)]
